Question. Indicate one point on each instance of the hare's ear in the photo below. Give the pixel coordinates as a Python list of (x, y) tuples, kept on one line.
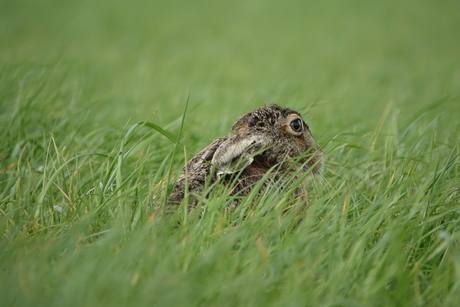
[(237, 153)]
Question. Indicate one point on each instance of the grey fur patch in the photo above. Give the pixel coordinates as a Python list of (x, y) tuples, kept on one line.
[(236, 153)]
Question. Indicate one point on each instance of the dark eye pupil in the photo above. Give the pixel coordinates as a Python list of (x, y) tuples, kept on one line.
[(296, 125)]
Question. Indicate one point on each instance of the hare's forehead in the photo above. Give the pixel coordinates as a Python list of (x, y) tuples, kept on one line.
[(270, 118)]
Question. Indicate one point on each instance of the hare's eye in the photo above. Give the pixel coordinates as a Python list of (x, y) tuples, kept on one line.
[(296, 125)]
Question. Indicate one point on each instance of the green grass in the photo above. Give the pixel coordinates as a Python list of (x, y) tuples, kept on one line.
[(92, 101)]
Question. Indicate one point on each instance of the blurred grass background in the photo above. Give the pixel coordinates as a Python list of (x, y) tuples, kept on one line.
[(145, 57), (377, 81)]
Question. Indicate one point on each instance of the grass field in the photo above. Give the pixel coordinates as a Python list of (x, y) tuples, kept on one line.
[(378, 82)]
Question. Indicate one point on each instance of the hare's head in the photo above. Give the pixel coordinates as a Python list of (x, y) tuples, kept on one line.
[(266, 137)]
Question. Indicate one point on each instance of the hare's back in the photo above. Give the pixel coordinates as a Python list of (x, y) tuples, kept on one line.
[(196, 172)]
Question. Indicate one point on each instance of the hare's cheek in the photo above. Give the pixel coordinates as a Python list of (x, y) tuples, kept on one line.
[(297, 148)]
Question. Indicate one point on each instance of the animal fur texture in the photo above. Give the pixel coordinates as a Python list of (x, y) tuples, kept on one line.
[(269, 139)]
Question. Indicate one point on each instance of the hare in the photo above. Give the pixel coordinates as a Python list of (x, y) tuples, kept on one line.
[(269, 139)]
